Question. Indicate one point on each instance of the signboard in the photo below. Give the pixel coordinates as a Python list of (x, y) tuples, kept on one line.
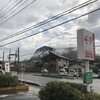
[(7, 67), (85, 45), (23, 66), (89, 78)]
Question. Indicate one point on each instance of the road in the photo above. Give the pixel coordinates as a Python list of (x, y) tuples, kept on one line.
[(32, 94), (43, 80)]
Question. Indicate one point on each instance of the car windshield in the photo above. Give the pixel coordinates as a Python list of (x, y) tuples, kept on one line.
[(61, 71), (72, 71)]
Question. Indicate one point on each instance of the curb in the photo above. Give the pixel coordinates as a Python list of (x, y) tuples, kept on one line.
[(24, 87), (36, 84)]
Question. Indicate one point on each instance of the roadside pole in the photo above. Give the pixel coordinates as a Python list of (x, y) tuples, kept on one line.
[(87, 70), (22, 69), (22, 78), (86, 52)]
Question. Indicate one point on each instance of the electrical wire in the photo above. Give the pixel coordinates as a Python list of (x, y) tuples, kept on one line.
[(52, 27), (5, 5), (55, 48), (15, 9), (17, 12), (8, 7), (11, 8), (26, 54), (48, 20)]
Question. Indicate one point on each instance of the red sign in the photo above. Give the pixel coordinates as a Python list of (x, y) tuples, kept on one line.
[(88, 54), (23, 68), (88, 40), (86, 44)]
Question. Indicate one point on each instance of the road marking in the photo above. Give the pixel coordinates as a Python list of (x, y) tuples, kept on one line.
[(31, 91)]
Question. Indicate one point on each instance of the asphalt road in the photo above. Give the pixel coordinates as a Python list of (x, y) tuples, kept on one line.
[(19, 96), (43, 80)]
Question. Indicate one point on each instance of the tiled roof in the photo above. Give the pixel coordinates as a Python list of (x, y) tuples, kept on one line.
[(59, 55)]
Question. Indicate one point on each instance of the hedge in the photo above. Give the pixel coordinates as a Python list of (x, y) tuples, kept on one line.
[(8, 81), (66, 91)]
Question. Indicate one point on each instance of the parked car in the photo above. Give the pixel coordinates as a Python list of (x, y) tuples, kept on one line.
[(72, 73), (2, 72), (62, 71)]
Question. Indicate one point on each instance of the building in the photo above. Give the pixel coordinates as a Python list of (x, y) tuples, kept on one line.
[(78, 66), (55, 61)]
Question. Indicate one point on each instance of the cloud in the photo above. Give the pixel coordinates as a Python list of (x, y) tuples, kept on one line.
[(62, 36)]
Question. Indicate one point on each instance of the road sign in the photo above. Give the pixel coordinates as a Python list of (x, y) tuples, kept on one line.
[(7, 67), (89, 78), (22, 66), (85, 45)]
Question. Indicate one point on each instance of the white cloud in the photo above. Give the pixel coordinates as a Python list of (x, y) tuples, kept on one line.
[(62, 36)]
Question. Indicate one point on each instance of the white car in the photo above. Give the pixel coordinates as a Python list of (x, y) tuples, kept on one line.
[(72, 73), (62, 71)]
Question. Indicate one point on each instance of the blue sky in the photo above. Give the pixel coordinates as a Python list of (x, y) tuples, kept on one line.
[(62, 36)]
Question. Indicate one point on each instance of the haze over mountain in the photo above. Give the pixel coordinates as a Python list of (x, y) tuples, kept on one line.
[(43, 51)]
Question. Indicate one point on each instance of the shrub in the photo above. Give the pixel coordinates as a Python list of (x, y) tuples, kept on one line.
[(66, 91), (80, 87), (92, 96), (59, 91), (8, 81)]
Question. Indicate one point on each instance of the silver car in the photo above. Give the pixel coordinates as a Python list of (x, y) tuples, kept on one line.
[(62, 72)]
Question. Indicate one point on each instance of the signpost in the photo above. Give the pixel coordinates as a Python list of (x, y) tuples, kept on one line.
[(86, 50), (22, 68), (88, 77)]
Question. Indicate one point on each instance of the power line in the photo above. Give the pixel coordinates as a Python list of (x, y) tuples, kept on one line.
[(54, 48), (5, 5), (11, 8), (17, 12), (26, 54), (16, 8), (49, 20), (52, 27)]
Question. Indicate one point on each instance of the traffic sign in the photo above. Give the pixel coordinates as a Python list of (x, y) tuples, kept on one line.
[(22, 66), (89, 78)]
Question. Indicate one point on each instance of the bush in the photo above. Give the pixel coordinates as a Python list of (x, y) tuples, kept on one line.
[(66, 91), (92, 96), (59, 91), (80, 87), (8, 81)]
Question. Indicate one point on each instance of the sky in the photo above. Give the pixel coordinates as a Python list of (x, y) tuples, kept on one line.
[(17, 15)]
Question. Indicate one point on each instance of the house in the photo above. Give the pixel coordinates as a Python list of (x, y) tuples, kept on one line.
[(30, 63), (55, 61), (78, 66)]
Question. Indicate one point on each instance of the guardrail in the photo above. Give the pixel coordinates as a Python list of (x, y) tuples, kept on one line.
[(50, 74)]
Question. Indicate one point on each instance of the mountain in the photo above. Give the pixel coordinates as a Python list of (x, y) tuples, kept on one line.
[(66, 52), (43, 51)]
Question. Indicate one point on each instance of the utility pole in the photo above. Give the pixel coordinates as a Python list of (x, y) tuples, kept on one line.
[(15, 56), (9, 55), (3, 59), (18, 60)]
